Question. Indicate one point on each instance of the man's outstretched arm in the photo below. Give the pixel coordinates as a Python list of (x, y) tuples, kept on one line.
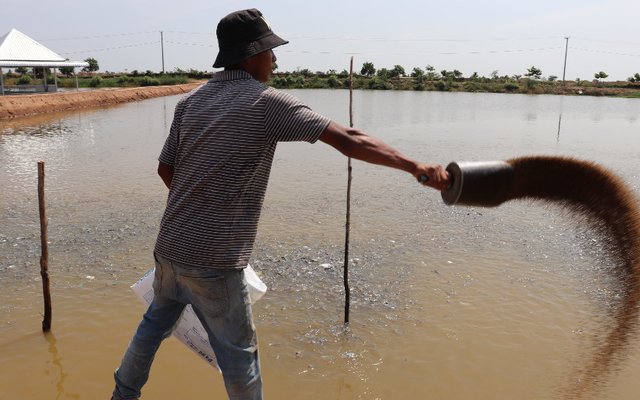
[(362, 146)]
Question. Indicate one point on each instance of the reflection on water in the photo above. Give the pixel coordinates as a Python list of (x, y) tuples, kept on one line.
[(559, 126), (451, 303), (61, 375)]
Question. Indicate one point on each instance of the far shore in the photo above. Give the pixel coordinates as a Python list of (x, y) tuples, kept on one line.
[(23, 105)]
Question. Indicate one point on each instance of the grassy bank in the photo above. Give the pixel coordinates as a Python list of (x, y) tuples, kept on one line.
[(479, 84), (33, 104), (318, 80), (104, 80)]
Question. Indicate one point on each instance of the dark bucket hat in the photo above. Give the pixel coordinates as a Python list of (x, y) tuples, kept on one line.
[(243, 34)]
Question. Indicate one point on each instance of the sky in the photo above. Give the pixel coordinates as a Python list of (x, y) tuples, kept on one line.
[(471, 36)]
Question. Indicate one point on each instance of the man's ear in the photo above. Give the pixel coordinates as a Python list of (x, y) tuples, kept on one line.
[(247, 63)]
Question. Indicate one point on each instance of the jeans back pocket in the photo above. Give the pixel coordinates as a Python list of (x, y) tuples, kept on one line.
[(206, 293)]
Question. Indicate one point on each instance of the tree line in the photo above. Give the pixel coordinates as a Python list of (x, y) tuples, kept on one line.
[(368, 77)]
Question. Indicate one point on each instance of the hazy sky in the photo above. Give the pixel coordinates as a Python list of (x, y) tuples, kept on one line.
[(483, 36)]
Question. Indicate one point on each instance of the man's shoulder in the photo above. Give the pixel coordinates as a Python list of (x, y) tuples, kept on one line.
[(280, 97)]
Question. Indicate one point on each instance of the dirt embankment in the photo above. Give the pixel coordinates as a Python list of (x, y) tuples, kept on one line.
[(13, 106)]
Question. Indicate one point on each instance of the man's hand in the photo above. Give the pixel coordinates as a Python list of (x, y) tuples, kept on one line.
[(433, 175)]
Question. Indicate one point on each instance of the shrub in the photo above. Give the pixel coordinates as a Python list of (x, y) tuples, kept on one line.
[(279, 82), (122, 80), (95, 81), (24, 80), (379, 84), (530, 83), (441, 86), (333, 82), (511, 86), (315, 83), (472, 87), (173, 80), (148, 81)]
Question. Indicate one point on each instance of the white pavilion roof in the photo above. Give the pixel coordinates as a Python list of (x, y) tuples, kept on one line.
[(18, 49)]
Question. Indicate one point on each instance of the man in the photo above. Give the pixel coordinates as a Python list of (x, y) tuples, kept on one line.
[(216, 163)]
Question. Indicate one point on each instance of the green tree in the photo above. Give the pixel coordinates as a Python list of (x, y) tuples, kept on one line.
[(39, 72), (600, 75), (531, 84), (24, 80), (22, 70), (368, 69), (306, 72), (68, 71), (93, 65), (534, 73), (383, 73), (417, 72), (418, 82), (397, 70), (333, 82), (431, 74), (418, 78), (379, 84), (457, 74)]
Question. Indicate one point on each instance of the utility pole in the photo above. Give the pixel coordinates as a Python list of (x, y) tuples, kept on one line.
[(162, 48), (566, 49)]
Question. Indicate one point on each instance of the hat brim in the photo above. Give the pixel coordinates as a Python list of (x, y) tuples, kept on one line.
[(232, 56)]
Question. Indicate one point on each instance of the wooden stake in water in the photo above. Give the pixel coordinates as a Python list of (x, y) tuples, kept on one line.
[(44, 258), (347, 290)]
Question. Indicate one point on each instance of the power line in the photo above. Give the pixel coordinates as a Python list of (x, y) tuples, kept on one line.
[(191, 44), (113, 48), (606, 41), (98, 36), (448, 53), (446, 40), (193, 33), (356, 38), (606, 52)]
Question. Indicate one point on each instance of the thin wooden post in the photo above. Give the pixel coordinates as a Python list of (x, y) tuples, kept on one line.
[(347, 290), (44, 257), (1, 82)]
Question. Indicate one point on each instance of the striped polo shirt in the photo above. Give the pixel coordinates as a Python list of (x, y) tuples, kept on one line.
[(221, 146)]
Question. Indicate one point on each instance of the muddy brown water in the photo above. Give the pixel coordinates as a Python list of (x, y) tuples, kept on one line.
[(447, 302)]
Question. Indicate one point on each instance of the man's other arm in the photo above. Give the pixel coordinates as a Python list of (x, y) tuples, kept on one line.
[(166, 173)]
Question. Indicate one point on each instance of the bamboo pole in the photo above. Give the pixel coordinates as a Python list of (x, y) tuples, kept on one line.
[(347, 290), (44, 258)]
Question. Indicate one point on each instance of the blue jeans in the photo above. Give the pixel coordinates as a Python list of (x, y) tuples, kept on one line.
[(220, 299)]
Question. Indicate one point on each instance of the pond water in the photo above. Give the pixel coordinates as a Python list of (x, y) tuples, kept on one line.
[(446, 302)]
